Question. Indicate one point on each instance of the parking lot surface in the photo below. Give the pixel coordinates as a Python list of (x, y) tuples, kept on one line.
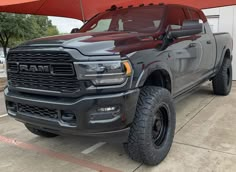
[(205, 140)]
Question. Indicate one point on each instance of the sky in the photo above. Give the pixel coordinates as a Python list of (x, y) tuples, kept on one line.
[(65, 25)]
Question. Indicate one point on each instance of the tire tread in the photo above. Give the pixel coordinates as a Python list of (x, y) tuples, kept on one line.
[(138, 146)]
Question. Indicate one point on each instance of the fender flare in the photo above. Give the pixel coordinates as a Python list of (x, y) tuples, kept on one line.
[(150, 68), (226, 48)]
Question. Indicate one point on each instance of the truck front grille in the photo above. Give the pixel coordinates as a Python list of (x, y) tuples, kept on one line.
[(52, 71), (38, 111), (44, 82)]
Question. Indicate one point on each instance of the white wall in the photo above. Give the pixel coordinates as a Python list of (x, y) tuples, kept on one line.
[(226, 23)]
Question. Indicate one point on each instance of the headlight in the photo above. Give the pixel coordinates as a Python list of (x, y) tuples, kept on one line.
[(104, 72)]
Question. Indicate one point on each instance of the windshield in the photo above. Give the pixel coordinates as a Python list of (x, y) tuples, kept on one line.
[(141, 19)]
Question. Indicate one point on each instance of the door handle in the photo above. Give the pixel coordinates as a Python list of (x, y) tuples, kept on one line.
[(209, 42)]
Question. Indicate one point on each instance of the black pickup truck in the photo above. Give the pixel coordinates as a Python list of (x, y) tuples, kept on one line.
[(119, 75)]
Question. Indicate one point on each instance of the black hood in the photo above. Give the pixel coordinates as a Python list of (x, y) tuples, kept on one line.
[(99, 44)]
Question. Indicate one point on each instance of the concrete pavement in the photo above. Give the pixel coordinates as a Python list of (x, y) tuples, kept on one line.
[(205, 141), (2, 104)]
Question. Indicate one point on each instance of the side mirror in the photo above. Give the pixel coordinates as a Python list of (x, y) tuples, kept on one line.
[(75, 30), (190, 27)]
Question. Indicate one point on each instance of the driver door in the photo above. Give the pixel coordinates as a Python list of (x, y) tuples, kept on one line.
[(186, 53)]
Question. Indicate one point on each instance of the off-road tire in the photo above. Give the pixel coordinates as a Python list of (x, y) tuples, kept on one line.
[(40, 132), (141, 146), (222, 82)]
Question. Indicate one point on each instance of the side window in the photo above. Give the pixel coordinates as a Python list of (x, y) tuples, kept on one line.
[(175, 18), (194, 15)]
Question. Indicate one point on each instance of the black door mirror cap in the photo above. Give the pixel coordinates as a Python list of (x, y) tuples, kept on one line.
[(75, 30), (189, 28)]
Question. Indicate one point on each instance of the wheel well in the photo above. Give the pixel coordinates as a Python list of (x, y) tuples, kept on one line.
[(160, 78)]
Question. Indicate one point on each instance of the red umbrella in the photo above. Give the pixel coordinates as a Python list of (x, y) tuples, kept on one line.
[(85, 9), (12, 2)]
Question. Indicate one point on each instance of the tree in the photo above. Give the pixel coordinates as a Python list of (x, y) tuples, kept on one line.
[(42, 26), (52, 31), (15, 29)]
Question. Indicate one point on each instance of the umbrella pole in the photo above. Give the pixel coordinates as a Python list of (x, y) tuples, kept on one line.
[(82, 10)]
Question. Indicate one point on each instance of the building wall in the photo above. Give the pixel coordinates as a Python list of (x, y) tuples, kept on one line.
[(224, 20)]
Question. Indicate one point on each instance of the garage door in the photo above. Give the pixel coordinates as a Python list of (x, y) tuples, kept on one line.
[(223, 20)]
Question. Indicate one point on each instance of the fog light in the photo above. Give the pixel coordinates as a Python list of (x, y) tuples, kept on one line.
[(105, 115), (109, 109), (12, 106), (68, 117)]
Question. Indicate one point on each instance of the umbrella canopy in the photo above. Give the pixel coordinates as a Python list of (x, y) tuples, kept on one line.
[(85, 9), (12, 2)]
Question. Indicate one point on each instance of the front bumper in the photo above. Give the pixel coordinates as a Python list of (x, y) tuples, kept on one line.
[(88, 120)]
